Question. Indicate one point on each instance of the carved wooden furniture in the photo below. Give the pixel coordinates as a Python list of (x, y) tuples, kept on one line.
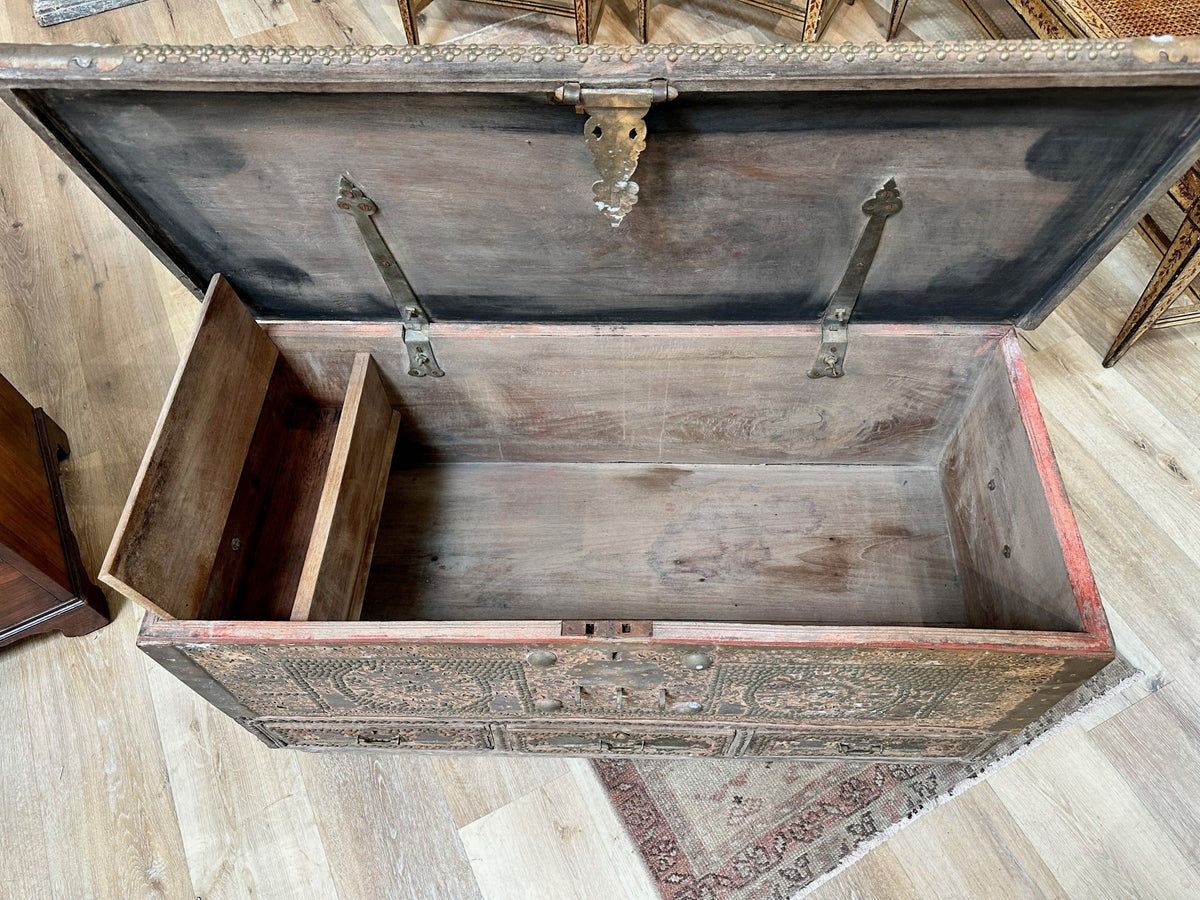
[(697, 426), (586, 14), (43, 586), (814, 15)]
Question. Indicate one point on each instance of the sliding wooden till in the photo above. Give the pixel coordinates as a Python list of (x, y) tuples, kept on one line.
[(334, 578), (255, 499)]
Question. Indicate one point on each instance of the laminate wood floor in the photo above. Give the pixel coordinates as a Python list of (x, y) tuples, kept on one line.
[(117, 781)]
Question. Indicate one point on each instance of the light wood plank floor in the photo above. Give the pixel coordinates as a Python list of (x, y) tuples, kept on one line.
[(116, 781)]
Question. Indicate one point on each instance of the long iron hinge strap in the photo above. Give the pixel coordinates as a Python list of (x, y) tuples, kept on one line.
[(835, 324), (421, 361)]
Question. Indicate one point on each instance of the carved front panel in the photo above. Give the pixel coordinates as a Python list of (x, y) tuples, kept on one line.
[(837, 744), (376, 735), (614, 682), (634, 740)]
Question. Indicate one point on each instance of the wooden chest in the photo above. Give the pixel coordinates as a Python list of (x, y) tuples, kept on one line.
[(504, 430)]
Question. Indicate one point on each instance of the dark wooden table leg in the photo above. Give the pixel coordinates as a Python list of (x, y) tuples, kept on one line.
[(1179, 267), (92, 613)]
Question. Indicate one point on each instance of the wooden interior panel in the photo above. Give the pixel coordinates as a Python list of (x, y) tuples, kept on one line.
[(794, 544), (168, 535), (261, 557), (1009, 556), (334, 577), (661, 394)]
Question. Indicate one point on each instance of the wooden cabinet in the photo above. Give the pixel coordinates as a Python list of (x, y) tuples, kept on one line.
[(473, 452), (43, 586)]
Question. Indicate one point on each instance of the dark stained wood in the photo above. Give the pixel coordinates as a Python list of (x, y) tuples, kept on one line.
[(343, 532), (259, 562), (43, 585), (29, 537), (1061, 172), (166, 540), (21, 598)]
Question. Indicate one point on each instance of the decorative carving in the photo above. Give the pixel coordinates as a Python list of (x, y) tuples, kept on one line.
[(746, 685), (742, 54), (372, 734), (837, 744), (634, 740), (840, 691)]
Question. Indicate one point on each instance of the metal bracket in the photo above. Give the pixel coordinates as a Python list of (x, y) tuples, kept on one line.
[(615, 132), (835, 323), (351, 199)]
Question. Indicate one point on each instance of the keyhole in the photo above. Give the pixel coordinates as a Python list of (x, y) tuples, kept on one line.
[(597, 131)]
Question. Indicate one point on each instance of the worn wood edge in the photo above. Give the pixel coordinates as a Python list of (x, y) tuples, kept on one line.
[(93, 179), (177, 663), (48, 620), (322, 331), (1079, 571), (52, 439), (107, 573), (170, 631), (376, 512), (691, 67), (348, 435)]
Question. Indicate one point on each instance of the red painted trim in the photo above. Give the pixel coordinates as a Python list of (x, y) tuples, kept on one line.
[(161, 631), (1087, 597)]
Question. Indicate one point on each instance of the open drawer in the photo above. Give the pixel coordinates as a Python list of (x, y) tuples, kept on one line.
[(641, 527)]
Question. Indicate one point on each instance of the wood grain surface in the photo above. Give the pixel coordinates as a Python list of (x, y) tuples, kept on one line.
[(191, 469), (343, 531), (170, 798), (790, 544)]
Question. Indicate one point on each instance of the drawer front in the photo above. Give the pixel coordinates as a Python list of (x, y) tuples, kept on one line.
[(376, 735), (866, 745), (604, 740)]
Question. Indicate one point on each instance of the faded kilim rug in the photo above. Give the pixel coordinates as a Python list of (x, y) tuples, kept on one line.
[(774, 829)]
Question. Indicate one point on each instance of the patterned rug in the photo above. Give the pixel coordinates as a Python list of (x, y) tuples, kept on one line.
[(775, 829)]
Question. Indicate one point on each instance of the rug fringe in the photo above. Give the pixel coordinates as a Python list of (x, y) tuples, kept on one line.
[(1136, 676)]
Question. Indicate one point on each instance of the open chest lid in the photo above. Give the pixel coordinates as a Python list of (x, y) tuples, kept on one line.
[(709, 184)]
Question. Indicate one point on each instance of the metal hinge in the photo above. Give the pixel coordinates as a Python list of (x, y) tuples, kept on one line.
[(351, 199), (835, 323), (615, 132)]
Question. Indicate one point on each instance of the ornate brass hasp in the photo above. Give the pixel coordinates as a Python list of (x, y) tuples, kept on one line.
[(615, 132), (421, 362), (835, 323)]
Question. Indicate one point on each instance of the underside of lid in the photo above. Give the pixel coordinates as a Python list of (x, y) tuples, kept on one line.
[(749, 202)]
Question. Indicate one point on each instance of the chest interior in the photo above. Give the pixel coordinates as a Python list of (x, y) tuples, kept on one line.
[(603, 477)]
